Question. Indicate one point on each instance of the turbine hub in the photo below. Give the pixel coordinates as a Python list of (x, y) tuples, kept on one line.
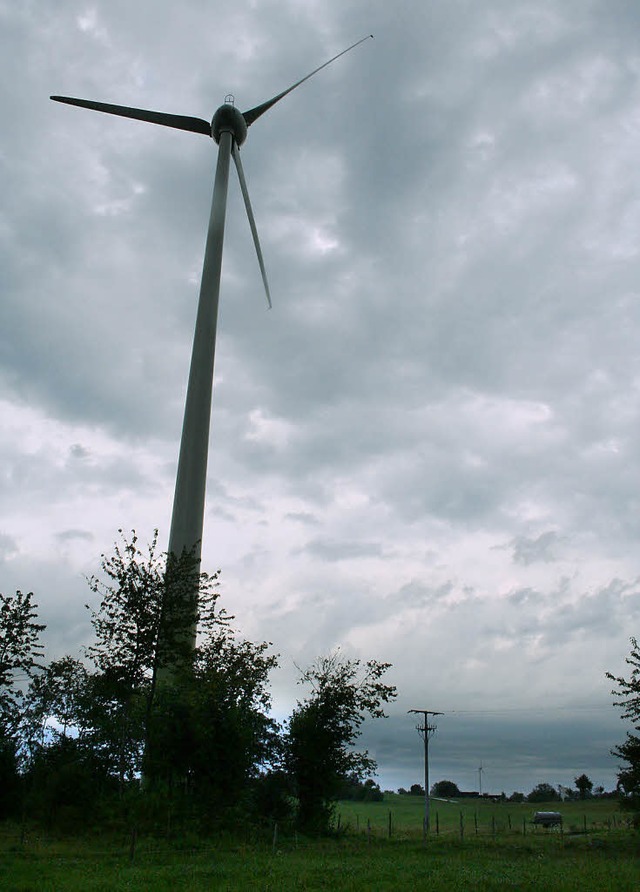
[(229, 119)]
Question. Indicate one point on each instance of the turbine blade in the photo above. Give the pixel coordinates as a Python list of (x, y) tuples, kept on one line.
[(180, 122), (254, 113), (252, 223)]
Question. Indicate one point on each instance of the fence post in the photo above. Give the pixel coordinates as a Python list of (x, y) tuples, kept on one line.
[(437, 824), (132, 843), (509, 821), (275, 837), (369, 831), (389, 823), (461, 827), (475, 821), (493, 825)]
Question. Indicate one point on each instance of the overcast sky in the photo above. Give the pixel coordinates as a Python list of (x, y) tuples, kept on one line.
[(427, 452)]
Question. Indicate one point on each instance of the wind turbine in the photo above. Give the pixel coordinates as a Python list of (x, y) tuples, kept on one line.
[(228, 128)]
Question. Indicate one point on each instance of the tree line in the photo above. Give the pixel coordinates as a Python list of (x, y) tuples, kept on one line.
[(99, 740), (543, 792)]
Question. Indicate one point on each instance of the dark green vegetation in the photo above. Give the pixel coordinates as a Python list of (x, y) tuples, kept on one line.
[(362, 858), (445, 788), (322, 730), (628, 697), (143, 734)]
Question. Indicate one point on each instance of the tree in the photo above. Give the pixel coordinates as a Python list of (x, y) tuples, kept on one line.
[(543, 793), (68, 771), (353, 789), (583, 785), (19, 651), (324, 727), (130, 648), (628, 698), (416, 790), (214, 732), (54, 701), (126, 625), (132, 611), (445, 788)]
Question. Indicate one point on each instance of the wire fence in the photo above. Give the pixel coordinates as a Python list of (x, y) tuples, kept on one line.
[(134, 845)]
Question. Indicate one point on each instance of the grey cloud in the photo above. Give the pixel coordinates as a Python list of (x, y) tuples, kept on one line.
[(417, 594), (8, 546), (331, 550), (68, 535), (528, 551), (303, 517), (80, 452)]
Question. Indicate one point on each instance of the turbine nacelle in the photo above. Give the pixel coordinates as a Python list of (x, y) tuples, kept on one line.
[(228, 119)]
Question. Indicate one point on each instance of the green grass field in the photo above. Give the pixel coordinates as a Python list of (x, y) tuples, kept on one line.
[(602, 859), (479, 817)]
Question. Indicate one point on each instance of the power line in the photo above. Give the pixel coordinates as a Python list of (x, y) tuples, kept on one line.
[(505, 710)]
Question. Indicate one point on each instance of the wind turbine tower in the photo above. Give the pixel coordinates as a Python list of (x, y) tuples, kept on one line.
[(228, 128)]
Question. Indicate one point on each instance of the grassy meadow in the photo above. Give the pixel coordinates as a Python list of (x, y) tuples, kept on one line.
[(479, 817), (362, 857)]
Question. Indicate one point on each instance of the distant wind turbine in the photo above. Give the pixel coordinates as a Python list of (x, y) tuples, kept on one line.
[(229, 129)]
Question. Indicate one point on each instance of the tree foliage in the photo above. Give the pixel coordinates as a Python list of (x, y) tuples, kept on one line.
[(445, 788), (584, 785), (355, 790), (20, 649), (324, 727), (135, 638), (126, 623), (628, 698), (193, 723), (543, 793), (53, 706), (213, 733), (134, 632)]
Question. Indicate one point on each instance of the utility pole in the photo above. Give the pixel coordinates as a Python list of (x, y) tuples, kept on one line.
[(480, 770), (426, 731)]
